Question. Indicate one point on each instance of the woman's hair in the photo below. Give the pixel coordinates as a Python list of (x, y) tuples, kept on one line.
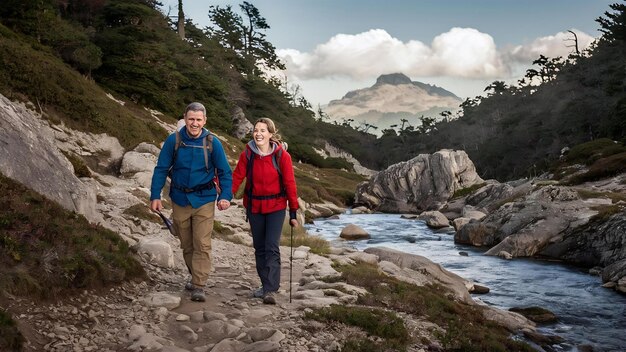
[(271, 128)]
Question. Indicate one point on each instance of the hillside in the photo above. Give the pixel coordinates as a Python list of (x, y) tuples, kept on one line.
[(75, 62)]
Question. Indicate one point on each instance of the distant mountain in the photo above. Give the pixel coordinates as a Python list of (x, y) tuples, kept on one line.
[(393, 97)]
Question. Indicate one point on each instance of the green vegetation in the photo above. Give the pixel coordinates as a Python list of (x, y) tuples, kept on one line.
[(317, 244), (46, 250), (28, 72), (80, 168), (464, 327), (587, 153), (142, 211), (10, 337), (602, 168), (536, 314), (467, 190), (374, 321)]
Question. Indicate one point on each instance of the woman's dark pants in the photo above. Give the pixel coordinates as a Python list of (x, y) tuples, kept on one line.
[(266, 231)]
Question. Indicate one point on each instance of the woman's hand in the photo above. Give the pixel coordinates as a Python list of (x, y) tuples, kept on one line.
[(293, 223)]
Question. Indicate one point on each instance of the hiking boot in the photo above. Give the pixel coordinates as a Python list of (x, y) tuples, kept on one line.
[(189, 286), (198, 295), (258, 293), (269, 298)]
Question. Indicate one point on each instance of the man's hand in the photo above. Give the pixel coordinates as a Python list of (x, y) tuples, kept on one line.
[(156, 205), (223, 204)]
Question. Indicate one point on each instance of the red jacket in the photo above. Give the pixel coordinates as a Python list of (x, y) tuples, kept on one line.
[(265, 180)]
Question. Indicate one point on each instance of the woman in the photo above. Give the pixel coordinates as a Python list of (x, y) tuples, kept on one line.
[(270, 183)]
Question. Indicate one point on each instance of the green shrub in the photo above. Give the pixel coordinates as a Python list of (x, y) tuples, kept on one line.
[(10, 337), (46, 250), (374, 321), (80, 168), (467, 190), (602, 168), (588, 153), (142, 211)]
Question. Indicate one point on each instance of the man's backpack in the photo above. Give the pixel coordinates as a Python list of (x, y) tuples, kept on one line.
[(207, 148)]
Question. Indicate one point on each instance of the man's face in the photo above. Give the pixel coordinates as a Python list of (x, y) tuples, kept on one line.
[(194, 120)]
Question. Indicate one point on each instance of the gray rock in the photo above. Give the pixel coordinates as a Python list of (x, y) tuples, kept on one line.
[(156, 251), (161, 299), (434, 219), (241, 125), (353, 232), (425, 182), (25, 136)]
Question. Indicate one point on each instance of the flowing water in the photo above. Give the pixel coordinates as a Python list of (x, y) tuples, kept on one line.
[(588, 313)]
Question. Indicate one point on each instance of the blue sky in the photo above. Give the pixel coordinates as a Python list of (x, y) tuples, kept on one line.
[(331, 47)]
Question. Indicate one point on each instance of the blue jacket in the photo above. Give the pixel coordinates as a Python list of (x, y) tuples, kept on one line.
[(190, 171)]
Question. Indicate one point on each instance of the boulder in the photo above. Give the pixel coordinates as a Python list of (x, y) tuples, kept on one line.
[(48, 172), (156, 251), (425, 182), (241, 124), (354, 232), (434, 219), (422, 271)]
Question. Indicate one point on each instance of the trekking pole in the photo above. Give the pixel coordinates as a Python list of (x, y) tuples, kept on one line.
[(290, 263)]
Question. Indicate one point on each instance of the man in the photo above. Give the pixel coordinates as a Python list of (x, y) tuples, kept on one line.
[(193, 191)]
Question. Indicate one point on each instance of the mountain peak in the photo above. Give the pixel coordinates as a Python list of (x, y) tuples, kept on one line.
[(393, 79)]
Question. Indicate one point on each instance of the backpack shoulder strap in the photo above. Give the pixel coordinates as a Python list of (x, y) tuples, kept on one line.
[(207, 148), (177, 142), (276, 161), (176, 145)]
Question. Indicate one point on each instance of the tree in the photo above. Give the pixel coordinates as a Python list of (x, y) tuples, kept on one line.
[(614, 24), (575, 45), (497, 88), (245, 35), (181, 20)]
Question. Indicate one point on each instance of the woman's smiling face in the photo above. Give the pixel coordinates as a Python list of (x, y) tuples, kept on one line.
[(261, 135)]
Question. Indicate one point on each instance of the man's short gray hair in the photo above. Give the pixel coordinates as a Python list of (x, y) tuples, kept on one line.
[(196, 107)]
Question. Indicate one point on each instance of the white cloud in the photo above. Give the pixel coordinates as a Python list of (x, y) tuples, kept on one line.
[(560, 44), (463, 60), (460, 52)]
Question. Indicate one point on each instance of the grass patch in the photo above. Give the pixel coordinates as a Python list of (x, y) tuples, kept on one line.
[(220, 231), (588, 153), (10, 337), (142, 211), (613, 196), (465, 327), (602, 168), (80, 168), (606, 211), (374, 321), (459, 193), (317, 244), (336, 186), (46, 250)]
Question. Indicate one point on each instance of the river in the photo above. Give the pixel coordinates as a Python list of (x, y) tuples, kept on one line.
[(588, 313)]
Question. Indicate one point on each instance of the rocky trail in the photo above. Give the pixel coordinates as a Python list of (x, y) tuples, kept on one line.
[(158, 315)]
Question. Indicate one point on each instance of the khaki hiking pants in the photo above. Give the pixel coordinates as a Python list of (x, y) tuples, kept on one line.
[(194, 228)]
